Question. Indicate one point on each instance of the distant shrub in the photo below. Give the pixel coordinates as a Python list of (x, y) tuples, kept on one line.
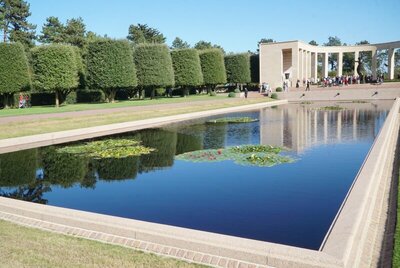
[(237, 90), (213, 94), (278, 89), (90, 96), (274, 96), (71, 98), (232, 95), (160, 91)]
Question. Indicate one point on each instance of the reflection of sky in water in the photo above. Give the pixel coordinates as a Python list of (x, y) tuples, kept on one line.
[(290, 203)]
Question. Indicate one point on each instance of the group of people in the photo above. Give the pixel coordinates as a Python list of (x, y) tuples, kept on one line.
[(23, 101), (349, 80), (265, 88)]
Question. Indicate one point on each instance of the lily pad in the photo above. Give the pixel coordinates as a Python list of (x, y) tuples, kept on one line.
[(232, 120), (111, 148), (253, 155)]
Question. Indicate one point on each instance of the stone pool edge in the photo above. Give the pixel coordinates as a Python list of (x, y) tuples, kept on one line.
[(33, 141), (221, 250), (358, 231)]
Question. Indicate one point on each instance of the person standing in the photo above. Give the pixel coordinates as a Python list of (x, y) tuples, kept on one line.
[(245, 92), (308, 85)]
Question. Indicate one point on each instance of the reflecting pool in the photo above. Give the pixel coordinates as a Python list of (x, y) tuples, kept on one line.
[(290, 203)]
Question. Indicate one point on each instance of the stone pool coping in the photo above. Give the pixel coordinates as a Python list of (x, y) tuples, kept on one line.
[(28, 142), (353, 240)]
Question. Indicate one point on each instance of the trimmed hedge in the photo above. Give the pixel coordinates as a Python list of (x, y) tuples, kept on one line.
[(14, 71), (55, 69), (238, 68), (213, 67), (187, 68), (110, 66), (42, 98), (90, 96), (255, 68), (154, 66)]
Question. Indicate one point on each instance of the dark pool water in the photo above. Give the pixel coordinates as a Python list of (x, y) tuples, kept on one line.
[(291, 204)]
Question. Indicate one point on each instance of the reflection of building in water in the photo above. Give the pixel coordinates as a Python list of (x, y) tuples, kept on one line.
[(300, 126)]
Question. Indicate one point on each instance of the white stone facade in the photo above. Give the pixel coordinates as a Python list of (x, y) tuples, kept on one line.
[(294, 60)]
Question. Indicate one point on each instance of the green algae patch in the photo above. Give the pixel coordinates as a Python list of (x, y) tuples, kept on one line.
[(331, 108), (232, 120), (246, 155), (111, 148)]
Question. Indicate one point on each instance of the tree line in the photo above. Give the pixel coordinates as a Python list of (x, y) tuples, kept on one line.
[(143, 65)]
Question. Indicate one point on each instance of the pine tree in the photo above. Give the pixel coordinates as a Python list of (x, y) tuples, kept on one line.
[(14, 24), (52, 31)]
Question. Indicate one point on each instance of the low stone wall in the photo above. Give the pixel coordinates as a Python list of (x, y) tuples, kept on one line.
[(357, 232), (353, 240)]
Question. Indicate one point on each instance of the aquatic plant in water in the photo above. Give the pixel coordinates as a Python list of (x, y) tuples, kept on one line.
[(253, 155), (111, 148), (232, 120), (331, 108)]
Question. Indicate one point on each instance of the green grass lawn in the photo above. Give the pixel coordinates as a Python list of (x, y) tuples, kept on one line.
[(96, 106), (396, 250), (39, 126), (28, 247)]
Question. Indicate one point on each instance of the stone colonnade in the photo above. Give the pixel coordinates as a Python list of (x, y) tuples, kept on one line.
[(295, 60)]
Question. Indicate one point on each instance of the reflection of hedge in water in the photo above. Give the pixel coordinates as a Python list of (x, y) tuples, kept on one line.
[(117, 168), (165, 144), (187, 143), (63, 169), (214, 136), (32, 192), (18, 168)]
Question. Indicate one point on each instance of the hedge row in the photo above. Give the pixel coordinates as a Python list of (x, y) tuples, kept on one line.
[(116, 69)]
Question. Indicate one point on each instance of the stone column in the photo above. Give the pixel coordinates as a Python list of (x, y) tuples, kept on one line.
[(340, 64), (356, 55), (309, 64), (391, 63), (314, 65), (300, 65), (304, 64), (325, 64), (295, 65), (373, 65)]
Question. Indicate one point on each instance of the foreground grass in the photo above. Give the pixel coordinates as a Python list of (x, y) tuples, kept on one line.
[(96, 106), (28, 247), (18, 129), (396, 250)]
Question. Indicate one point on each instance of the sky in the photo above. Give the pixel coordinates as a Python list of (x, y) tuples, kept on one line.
[(235, 25)]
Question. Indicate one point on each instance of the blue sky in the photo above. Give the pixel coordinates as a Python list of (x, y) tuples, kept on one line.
[(235, 25)]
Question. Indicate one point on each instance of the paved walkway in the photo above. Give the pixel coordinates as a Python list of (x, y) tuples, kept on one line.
[(389, 85), (154, 107)]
